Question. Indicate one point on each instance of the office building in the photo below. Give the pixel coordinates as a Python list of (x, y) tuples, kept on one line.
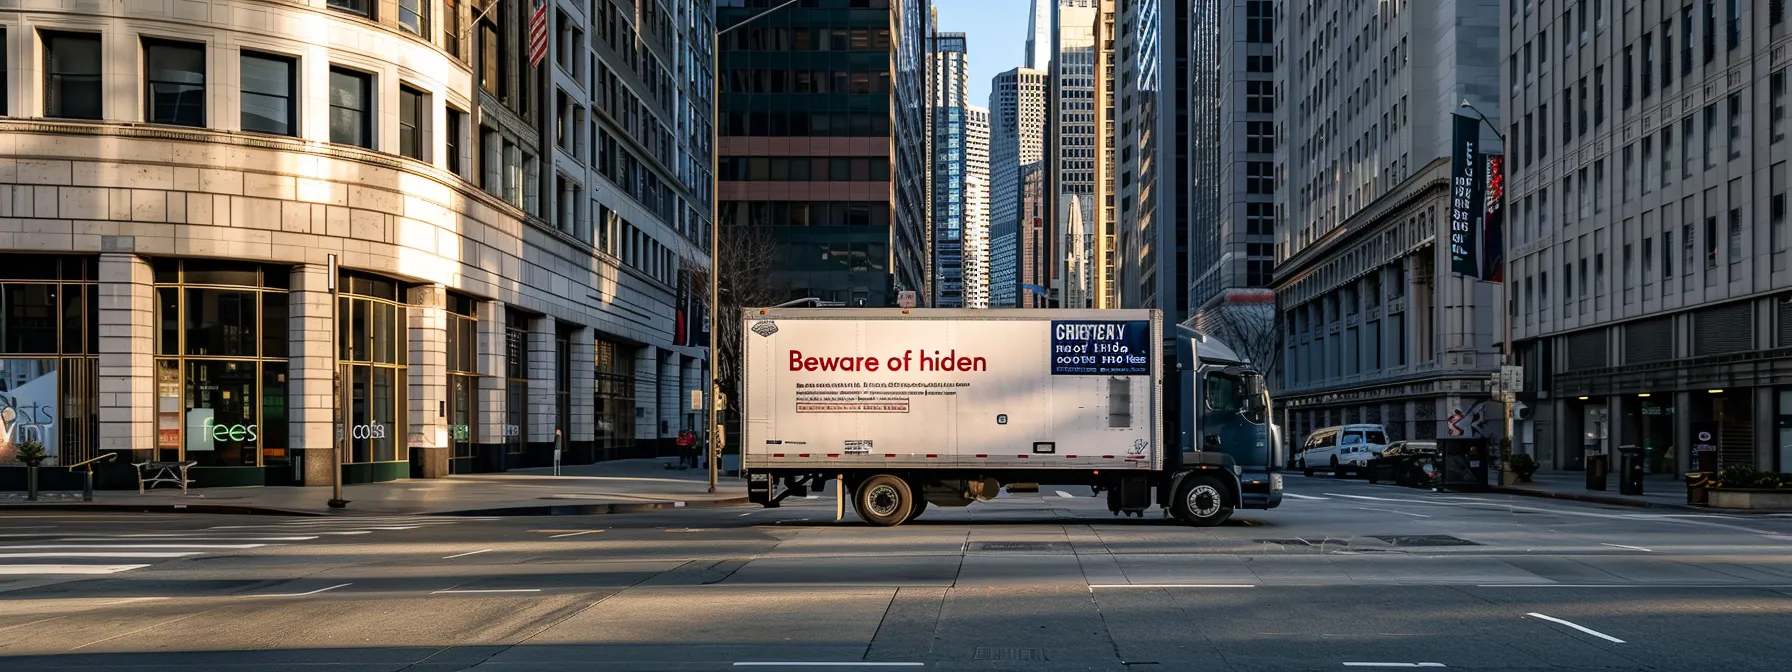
[(1080, 138), (976, 203), (1648, 246), (1375, 326), (824, 140), (949, 154), (260, 198), (1017, 102), (1152, 221)]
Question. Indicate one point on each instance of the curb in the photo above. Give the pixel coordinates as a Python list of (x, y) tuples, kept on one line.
[(594, 509), (220, 509), (1599, 499)]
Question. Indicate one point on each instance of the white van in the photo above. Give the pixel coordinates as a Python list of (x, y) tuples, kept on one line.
[(1340, 449)]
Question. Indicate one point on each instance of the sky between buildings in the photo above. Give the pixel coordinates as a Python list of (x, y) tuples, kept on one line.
[(995, 33)]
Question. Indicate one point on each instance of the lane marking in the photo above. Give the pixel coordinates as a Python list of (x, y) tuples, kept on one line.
[(1094, 586), (574, 534), (462, 555), (86, 554), (1581, 628), (826, 664), (1633, 548), (1395, 665), (46, 547), (182, 537), (314, 592), (488, 590), (14, 570), (1290, 494), (1066, 495)]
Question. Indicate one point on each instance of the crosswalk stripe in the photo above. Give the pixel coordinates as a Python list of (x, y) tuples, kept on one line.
[(47, 547), (91, 554), (43, 570)]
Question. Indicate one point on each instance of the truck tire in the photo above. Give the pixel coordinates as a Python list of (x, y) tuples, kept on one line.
[(883, 500), (1201, 501), (919, 508)]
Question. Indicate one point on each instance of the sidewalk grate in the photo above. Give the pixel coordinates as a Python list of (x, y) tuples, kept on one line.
[(1009, 653)]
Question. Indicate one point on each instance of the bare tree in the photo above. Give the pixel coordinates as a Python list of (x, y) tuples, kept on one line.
[(1248, 322), (745, 263)]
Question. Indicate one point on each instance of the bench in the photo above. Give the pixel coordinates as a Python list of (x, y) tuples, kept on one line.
[(151, 473)]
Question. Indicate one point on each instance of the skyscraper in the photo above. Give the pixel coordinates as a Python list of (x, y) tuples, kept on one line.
[(1016, 141), (1151, 225), (976, 200), (826, 152), (1077, 144), (950, 72), (1039, 36)]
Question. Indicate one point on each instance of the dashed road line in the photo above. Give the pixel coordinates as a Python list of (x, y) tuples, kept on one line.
[(462, 555), (1632, 548), (1581, 628)]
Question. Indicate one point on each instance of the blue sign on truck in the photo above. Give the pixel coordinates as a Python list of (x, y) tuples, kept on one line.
[(1101, 348)]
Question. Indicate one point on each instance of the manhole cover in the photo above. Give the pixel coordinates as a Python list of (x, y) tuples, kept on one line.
[(1008, 653), (1017, 546), (1425, 540)]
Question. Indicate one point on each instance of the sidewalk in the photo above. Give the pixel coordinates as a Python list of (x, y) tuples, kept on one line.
[(618, 486), (1659, 490)]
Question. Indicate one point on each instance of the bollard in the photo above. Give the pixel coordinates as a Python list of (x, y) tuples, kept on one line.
[(87, 485), (31, 483)]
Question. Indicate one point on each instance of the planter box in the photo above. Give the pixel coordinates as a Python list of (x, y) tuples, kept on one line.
[(1727, 498)]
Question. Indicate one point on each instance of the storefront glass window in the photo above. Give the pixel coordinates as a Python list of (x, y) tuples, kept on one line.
[(516, 385), (48, 383), (463, 381), (221, 381), (374, 344), (615, 398)]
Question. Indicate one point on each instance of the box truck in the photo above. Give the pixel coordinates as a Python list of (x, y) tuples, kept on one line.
[(909, 408)]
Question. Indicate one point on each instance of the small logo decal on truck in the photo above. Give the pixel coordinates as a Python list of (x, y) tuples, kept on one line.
[(765, 328), (858, 446), (1139, 446)]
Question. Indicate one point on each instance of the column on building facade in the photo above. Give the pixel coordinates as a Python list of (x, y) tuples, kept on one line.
[(670, 386), (428, 372), (1683, 430), (1615, 434), (1766, 429), (584, 393), (491, 422), (312, 373), (647, 401), (126, 323), (542, 399)]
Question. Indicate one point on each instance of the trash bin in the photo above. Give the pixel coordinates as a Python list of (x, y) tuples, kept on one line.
[(1630, 470), (1597, 466)]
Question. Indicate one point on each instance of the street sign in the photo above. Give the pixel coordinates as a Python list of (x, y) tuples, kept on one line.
[(696, 400), (1514, 377)]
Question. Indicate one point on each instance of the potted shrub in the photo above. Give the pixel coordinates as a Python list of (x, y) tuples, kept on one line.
[(1523, 465), (1740, 486), (32, 454)]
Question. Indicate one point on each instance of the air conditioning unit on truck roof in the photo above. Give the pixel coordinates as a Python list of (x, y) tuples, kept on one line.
[(911, 408)]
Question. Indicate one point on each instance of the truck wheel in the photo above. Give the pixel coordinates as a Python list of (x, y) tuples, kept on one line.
[(919, 508), (883, 500), (1201, 501)]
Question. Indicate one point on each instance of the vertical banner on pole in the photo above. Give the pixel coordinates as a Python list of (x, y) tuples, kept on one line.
[(1465, 197), (1493, 242)]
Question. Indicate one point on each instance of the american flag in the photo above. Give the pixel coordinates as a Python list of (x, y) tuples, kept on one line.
[(538, 33)]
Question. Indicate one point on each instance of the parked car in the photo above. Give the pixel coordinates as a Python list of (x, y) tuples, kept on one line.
[(1341, 449), (1410, 463)]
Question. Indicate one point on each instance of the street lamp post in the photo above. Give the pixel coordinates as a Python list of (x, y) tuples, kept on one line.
[(1509, 397), (715, 236)]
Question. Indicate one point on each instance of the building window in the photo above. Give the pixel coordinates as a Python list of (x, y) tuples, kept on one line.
[(351, 108), (268, 93), (1735, 25), (1710, 136), (374, 342), (1776, 87), (72, 75), (1735, 235), (4, 92), (174, 82), (516, 383), (457, 124), (1735, 126), (614, 399), (491, 52), (413, 16), (1667, 154), (222, 341), (1667, 54), (48, 345), (1259, 177), (463, 383), (1629, 76), (1259, 20), (1667, 257), (1710, 243), (451, 29), (1776, 209), (413, 123), (360, 7), (1648, 70)]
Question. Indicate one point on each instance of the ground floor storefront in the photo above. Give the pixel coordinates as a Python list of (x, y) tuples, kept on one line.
[(256, 373), (1423, 407), (1734, 425)]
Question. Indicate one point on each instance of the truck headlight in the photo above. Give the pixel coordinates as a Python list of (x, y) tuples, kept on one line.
[(1275, 481)]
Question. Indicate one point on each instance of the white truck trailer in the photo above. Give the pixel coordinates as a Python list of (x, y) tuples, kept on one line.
[(910, 407)]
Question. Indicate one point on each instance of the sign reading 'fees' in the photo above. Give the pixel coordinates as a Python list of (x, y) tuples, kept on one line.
[(1101, 348)]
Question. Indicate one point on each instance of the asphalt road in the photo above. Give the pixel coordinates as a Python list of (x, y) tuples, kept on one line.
[(1345, 575)]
